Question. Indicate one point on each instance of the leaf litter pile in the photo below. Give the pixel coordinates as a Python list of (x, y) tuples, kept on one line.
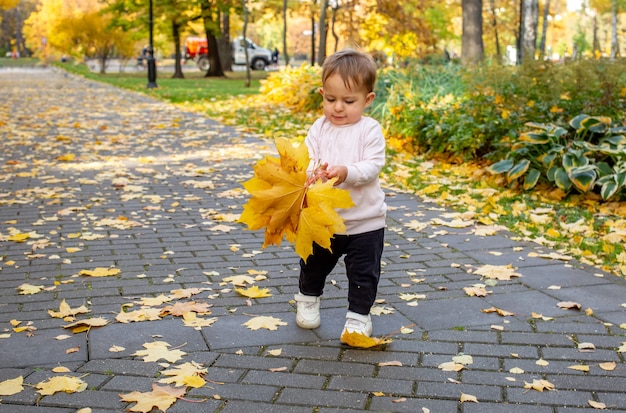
[(80, 189)]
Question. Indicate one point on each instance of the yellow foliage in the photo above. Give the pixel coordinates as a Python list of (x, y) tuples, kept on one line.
[(355, 339), (286, 207)]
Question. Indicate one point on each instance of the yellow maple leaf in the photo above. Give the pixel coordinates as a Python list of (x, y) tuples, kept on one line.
[(186, 374), (101, 272), (359, 340), (287, 207), (158, 350), (66, 311), (28, 289), (161, 397), (143, 314), (266, 322), (18, 237), (498, 272), (56, 384), (12, 386), (191, 319), (539, 385), (254, 292)]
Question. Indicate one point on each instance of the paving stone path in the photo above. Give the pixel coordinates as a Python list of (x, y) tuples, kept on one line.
[(95, 177)]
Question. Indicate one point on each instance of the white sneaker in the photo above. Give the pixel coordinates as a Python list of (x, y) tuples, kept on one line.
[(358, 323), (307, 311)]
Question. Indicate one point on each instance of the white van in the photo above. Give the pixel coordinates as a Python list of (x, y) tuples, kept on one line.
[(258, 57)]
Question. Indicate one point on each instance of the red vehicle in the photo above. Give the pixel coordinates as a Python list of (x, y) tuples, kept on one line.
[(197, 48)]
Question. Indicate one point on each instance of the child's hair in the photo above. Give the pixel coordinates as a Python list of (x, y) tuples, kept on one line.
[(357, 69)]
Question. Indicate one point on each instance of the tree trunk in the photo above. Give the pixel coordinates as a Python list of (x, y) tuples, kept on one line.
[(332, 28), (178, 68), (245, 28), (223, 43), (321, 54), (285, 54), (614, 40), (313, 34), (544, 30), (215, 64), (530, 21), (494, 25), (472, 49)]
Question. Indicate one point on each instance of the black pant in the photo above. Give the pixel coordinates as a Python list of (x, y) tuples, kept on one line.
[(362, 258)]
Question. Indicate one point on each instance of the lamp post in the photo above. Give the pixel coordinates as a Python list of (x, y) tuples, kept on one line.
[(152, 74)]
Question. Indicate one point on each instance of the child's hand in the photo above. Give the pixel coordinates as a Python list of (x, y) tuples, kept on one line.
[(339, 171), (318, 173)]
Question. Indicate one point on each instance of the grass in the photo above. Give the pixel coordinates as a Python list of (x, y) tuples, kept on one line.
[(21, 62), (193, 88)]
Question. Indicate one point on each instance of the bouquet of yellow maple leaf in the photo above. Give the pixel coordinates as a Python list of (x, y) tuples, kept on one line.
[(288, 207)]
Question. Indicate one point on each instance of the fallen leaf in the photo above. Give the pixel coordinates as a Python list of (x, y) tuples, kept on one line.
[(359, 340), (278, 369), (67, 384), (390, 363), (179, 308), (65, 310), (86, 324), (184, 374), (254, 292), (608, 366), (158, 350), (597, 405), (476, 291), (101, 272), (451, 366), (28, 289), (516, 370), (499, 311), (61, 369), (579, 367), (468, 398), (143, 314), (539, 385), (12, 386), (275, 352), (266, 322), (498, 272), (542, 363), (190, 319), (569, 305), (586, 347), (161, 397)]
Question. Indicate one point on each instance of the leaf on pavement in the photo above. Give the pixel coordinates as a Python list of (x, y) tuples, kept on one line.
[(596, 405), (451, 366), (28, 289), (359, 340), (158, 350), (498, 272), (66, 311), (191, 319), (286, 207), (101, 272), (184, 374), (67, 384), (266, 322), (12, 386), (83, 325), (476, 291), (179, 309), (569, 305), (161, 397), (143, 314), (468, 398), (539, 385), (498, 311), (239, 280), (254, 292)]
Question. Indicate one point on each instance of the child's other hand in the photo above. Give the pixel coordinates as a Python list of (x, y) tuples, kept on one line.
[(339, 171)]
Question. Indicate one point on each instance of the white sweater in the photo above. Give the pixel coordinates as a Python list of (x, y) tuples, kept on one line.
[(361, 148)]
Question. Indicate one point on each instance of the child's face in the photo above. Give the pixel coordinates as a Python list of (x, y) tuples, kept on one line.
[(343, 106)]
